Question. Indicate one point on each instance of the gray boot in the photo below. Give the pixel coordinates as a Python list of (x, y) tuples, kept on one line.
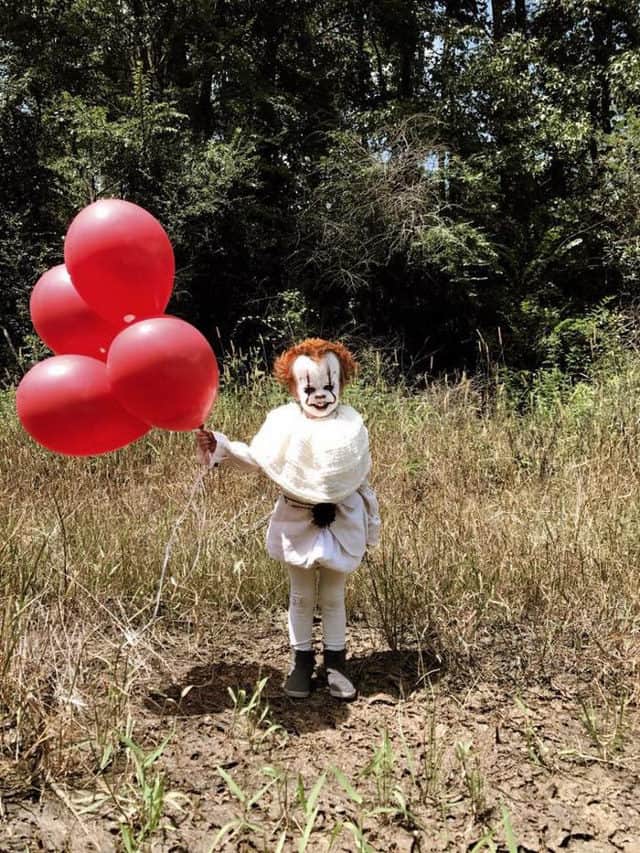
[(336, 668), (298, 683)]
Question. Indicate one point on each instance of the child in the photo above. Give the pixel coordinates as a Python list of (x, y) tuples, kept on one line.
[(317, 451)]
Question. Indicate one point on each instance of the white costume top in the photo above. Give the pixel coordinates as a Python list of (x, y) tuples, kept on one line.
[(323, 460)]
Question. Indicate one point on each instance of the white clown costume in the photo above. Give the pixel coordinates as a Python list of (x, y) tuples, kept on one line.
[(313, 462), (317, 451)]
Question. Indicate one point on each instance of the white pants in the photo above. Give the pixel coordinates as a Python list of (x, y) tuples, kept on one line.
[(302, 601)]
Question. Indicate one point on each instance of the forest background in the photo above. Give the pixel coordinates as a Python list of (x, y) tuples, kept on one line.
[(448, 180)]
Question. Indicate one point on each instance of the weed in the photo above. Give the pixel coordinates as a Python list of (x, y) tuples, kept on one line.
[(388, 804), (140, 803), (432, 754), (243, 823), (309, 804), (254, 712), (381, 767), (487, 842), (606, 729), (356, 828), (537, 751), (472, 777), (281, 787)]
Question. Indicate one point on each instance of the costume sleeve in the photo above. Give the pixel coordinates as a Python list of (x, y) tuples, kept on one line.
[(373, 516), (233, 453)]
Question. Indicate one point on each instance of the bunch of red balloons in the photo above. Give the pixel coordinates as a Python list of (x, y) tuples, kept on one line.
[(121, 365)]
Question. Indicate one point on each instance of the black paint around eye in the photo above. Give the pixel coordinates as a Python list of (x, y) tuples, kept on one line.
[(329, 388), (309, 390)]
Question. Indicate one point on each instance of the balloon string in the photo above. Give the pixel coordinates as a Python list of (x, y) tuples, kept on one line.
[(168, 548)]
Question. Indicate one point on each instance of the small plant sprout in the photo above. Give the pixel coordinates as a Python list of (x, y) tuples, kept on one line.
[(148, 795), (538, 752), (141, 803), (309, 806), (472, 776), (254, 712), (242, 824), (364, 813), (432, 754), (390, 800), (355, 828), (606, 730), (487, 841), (281, 788)]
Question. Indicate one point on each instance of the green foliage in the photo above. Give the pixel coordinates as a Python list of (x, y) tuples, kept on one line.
[(394, 198), (409, 173), (142, 801), (148, 793), (112, 152), (577, 344), (254, 712), (618, 198)]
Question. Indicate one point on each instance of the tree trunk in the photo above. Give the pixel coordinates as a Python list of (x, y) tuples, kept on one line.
[(497, 12), (361, 60), (409, 48), (602, 49)]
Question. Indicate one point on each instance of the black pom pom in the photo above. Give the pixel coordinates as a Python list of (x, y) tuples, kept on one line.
[(323, 514)]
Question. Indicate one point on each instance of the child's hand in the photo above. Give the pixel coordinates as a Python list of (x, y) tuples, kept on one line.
[(206, 441)]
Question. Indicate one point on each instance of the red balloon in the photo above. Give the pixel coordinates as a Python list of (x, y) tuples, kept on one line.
[(63, 319), (164, 372), (120, 260), (66, 404)]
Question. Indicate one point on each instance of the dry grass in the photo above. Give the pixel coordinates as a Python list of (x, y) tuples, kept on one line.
[(510, 553)]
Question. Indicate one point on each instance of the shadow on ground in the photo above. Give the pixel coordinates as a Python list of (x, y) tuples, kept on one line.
[(396, 673), (206, 689)]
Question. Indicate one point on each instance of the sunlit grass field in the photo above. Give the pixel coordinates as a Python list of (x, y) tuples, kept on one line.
[(510, 552)]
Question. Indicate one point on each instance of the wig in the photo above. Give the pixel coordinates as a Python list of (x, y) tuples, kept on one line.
[(314, 348)]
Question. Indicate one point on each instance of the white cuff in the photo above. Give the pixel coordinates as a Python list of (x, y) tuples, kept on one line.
[(221, 452)]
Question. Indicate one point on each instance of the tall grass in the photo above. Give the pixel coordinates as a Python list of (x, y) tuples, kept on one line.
[(498, 527)]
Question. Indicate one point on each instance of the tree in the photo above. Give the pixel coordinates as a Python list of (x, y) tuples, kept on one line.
[(411, 170)]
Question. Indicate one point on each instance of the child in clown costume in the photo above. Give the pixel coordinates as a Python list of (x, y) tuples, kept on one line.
[(316, 450)]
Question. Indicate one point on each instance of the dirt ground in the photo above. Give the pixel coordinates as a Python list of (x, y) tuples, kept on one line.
[(472, 752)]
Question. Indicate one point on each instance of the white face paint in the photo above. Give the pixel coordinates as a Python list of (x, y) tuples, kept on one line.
[(317, 384)]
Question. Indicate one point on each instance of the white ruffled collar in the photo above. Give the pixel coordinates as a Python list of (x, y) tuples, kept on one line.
[(316, 460)]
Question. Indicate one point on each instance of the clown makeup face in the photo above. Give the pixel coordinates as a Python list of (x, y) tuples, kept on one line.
[(317, 384)]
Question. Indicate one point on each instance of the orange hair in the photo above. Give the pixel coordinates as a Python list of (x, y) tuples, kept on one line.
[(314, 348)]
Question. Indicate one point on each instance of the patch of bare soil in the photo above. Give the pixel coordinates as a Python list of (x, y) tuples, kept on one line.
[(428, 758)]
